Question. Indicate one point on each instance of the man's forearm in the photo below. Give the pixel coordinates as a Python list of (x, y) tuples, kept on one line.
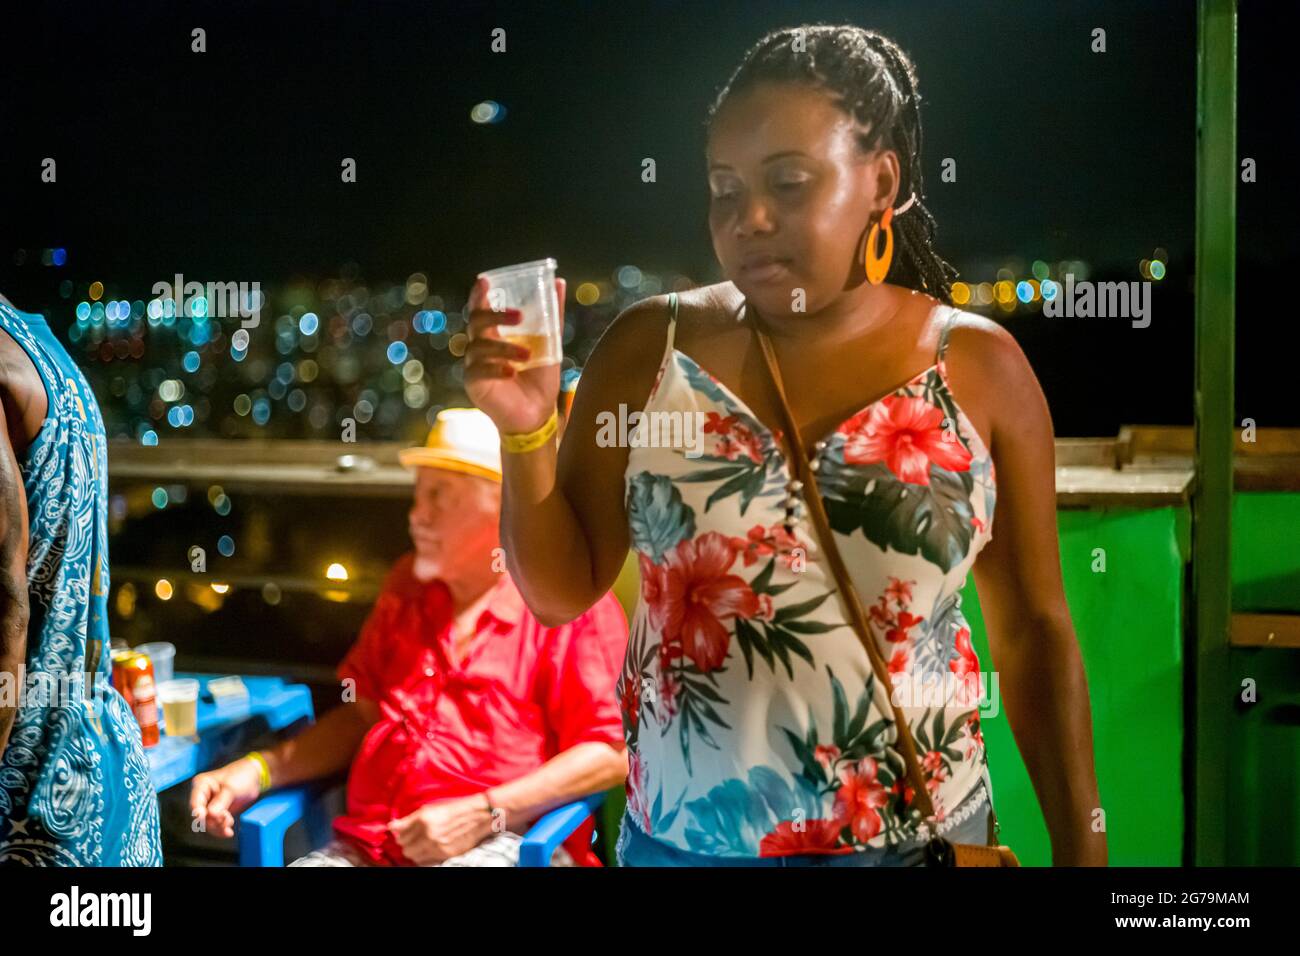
[(322, 750), (13, 652), (13, 576), (585, 768)]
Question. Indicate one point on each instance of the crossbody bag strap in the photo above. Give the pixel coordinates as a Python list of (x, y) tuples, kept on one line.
[(861, 625)]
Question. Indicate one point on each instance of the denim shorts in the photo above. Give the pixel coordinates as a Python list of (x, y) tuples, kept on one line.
[(635, 848)]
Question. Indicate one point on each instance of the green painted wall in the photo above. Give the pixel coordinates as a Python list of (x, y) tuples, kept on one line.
[(1129, 624), (1129, 621), (1263, 814), (1266, 551)]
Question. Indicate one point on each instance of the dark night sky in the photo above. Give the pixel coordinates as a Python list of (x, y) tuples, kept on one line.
[(227, 163)]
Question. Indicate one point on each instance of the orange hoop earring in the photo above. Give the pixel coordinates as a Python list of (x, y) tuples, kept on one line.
[(878, 268)]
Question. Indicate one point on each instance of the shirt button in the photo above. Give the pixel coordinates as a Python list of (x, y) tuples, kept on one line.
[(429, 734), (428, 672)]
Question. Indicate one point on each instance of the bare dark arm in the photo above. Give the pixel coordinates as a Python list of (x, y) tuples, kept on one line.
[(1018, 575), (13, 580), (563, 522)]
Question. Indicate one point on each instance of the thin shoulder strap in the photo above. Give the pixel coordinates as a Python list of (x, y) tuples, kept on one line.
[(672, 319), (944, 332), (807, 483)]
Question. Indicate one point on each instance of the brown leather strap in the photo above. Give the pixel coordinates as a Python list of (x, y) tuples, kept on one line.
[(861, 624), (972, 854)]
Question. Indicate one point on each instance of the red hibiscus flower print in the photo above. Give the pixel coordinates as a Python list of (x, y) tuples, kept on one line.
[(880, 615), (902, 624), (826, 754), (654, 581), (715, 424), (634, 788), (890, 613), (741, 443), (974, 733), (904, 789), (906, 433), (898, 664), (859, 799), (813, 836), (966, 659), (760, 542), (966, 665), (669, 651), (668, 690), (935, 770), (698, 596), (734, 439), (630, 701), (900, 592), (972, 737)]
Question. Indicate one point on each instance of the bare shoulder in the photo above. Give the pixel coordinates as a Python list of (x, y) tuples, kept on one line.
[(718, 303), (622, 366), (992, 380), (629, 341), (637, 337), (700, 307), (13, 363), (984, 351), (710, 310)]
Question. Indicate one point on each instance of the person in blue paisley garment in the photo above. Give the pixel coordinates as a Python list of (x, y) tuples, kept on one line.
[(75, 789)]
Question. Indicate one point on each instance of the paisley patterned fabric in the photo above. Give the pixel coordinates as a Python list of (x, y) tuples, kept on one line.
[(754, 722), (75, 788)]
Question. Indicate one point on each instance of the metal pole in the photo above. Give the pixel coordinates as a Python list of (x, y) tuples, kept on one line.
[(1216, 214)]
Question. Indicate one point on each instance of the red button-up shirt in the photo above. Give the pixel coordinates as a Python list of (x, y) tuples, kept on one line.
[(523, 694)]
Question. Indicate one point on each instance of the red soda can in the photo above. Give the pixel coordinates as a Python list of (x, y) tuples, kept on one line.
[(120, 671), (133, 678)]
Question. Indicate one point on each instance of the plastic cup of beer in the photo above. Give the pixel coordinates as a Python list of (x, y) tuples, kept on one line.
[(180, 704), (162, 655), (530, 288)]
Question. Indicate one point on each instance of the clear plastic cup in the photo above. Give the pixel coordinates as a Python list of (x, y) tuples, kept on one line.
[(180, 706), (161, 655), (530, 288)]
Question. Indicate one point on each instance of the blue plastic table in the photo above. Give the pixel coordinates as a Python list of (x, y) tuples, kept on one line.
[(271, 705)]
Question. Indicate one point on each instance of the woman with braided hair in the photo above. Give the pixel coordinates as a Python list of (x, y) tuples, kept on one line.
[(758, 728)]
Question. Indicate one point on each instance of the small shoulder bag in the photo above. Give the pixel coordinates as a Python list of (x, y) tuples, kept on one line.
[(939, 850)]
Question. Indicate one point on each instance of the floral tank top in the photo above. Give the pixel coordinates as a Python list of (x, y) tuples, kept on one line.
[(754, 722)]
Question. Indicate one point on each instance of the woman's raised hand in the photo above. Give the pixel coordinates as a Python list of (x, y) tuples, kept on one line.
[(517, 400)]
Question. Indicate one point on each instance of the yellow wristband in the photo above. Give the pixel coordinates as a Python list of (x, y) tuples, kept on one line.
[(264, 771), (528, 441)]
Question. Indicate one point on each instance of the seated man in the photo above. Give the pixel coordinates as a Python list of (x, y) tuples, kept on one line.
[(464, 719)]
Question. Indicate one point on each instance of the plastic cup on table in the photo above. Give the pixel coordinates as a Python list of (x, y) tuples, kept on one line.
[(180, 706), (530, 288), (162, 655)]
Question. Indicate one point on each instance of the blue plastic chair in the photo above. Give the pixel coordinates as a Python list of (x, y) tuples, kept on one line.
[(263, 825)]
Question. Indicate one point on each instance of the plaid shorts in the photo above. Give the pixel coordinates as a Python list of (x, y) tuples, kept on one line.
[(502, 849)]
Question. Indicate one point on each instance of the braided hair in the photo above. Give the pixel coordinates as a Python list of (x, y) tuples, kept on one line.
[(871, 79)]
